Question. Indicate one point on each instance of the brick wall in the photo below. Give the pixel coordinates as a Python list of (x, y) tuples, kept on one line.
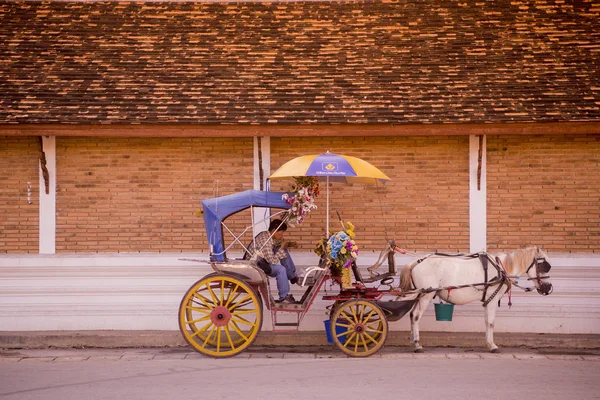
[(424, 208), (19, 212), (134, 194), (139, 194), (544, 190)]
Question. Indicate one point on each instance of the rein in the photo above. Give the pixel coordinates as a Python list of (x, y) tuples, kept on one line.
[(542, 267), (484, 258)]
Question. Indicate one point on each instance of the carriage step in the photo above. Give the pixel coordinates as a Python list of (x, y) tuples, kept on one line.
[(310, 281), (287, 324), (296, 307)]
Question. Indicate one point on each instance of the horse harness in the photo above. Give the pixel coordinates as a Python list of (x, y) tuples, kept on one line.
[(485, 259)]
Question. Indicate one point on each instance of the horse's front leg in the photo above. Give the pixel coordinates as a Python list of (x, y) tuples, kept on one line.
[(490, 318), (415, 316)]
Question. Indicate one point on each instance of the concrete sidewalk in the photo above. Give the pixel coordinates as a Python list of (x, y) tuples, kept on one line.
[(259, 352), (266, 339)]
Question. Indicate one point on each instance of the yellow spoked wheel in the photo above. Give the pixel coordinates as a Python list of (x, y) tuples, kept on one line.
[(359, 328), (220, 315)]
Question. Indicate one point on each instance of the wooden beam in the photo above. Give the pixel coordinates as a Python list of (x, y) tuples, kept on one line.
[(184, 130)]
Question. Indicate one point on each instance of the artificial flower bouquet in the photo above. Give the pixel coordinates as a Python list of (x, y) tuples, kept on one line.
[(302, 198), (340, 249)]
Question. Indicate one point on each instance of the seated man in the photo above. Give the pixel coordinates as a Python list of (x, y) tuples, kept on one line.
[(270, 246)]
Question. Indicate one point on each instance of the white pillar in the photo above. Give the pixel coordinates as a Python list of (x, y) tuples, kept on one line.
[(262, 160), (47, 231), (477, 193)]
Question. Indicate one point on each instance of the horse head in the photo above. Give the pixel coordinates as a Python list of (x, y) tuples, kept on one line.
[(538, 270), (533, 262)]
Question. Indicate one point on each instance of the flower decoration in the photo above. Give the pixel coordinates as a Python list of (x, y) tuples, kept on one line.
[(302, 198), (340, 249)]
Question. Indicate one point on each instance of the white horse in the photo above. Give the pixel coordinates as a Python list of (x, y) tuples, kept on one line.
[(464, 279)]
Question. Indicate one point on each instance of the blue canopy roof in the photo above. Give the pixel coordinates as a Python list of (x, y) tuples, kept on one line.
[(218, 209)]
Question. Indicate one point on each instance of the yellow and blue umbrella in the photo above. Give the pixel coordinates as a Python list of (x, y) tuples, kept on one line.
[(335, 167), (332, 167)]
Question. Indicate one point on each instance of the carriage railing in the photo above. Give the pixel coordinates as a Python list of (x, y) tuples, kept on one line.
[(237, 238)]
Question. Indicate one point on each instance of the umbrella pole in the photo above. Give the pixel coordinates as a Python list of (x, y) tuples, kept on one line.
[(327, 224)]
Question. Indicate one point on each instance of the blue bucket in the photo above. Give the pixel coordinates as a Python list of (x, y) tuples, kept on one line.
[(338, 330)]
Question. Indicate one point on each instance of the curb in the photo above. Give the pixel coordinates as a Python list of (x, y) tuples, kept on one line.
[(60, 356), (150, 339)]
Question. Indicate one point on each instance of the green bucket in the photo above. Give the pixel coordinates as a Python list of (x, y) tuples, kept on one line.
[(443, 311)]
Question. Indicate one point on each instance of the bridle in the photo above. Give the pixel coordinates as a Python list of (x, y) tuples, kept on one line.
[(542, 267)]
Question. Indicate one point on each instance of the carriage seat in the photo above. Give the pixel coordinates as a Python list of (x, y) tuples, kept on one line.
[(374, 277), (387, 253)]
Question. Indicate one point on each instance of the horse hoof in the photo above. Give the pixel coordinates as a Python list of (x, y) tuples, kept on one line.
[(419, 351), (495, 351)]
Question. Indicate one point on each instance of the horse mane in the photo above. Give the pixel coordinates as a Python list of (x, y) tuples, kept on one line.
[(518, 260)]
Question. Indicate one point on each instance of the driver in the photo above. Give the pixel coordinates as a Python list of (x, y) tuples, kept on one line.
[(270, 252)]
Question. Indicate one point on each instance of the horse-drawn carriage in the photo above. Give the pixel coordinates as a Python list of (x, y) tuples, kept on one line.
[(222, 313)]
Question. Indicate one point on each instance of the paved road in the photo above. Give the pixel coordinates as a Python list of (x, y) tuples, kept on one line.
[(394, 373)]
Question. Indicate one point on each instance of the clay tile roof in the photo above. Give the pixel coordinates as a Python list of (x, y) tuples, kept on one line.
[(388, 62)]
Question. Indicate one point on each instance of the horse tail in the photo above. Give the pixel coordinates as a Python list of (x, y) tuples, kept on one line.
[(406, 276)]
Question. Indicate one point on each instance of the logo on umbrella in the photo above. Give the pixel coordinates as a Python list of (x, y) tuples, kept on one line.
[(330, 166)]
